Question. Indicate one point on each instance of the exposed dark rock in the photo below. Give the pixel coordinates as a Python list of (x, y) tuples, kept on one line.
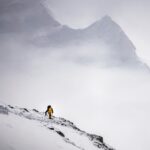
[(60, 133), (95, 137), (35, 110), (3, 110), (51, 128), (25, 109), (63, 124), (10, 106)]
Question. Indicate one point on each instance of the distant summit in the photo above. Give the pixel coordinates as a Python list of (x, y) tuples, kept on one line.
[(112, 35), (103, 42)]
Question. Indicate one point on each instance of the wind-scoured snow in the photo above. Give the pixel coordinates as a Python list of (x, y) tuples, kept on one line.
[(24, 129)]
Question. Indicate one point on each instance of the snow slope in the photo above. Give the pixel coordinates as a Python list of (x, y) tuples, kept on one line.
[(23, 129)]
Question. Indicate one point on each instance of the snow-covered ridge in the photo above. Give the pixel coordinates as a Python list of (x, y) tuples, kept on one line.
[(65, 129)]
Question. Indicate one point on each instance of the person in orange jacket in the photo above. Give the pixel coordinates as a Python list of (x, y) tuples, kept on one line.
[(49, 111)]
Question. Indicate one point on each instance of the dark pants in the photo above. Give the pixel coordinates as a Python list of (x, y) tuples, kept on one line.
[(50, 115)]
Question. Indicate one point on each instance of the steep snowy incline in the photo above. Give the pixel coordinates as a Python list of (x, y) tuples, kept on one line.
[(24, 129), (18, 133)]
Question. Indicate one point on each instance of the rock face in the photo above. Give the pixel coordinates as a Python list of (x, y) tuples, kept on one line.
[(27, 16), (66, 130), (3, 110)]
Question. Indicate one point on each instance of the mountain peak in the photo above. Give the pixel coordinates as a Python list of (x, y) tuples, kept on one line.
[(106, 18), (108, 31), (104, 24)]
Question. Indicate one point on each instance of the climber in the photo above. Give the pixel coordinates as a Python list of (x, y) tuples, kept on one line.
[(49, 111)]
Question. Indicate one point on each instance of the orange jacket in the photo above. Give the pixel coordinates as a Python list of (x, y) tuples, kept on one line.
[(50, 110)]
